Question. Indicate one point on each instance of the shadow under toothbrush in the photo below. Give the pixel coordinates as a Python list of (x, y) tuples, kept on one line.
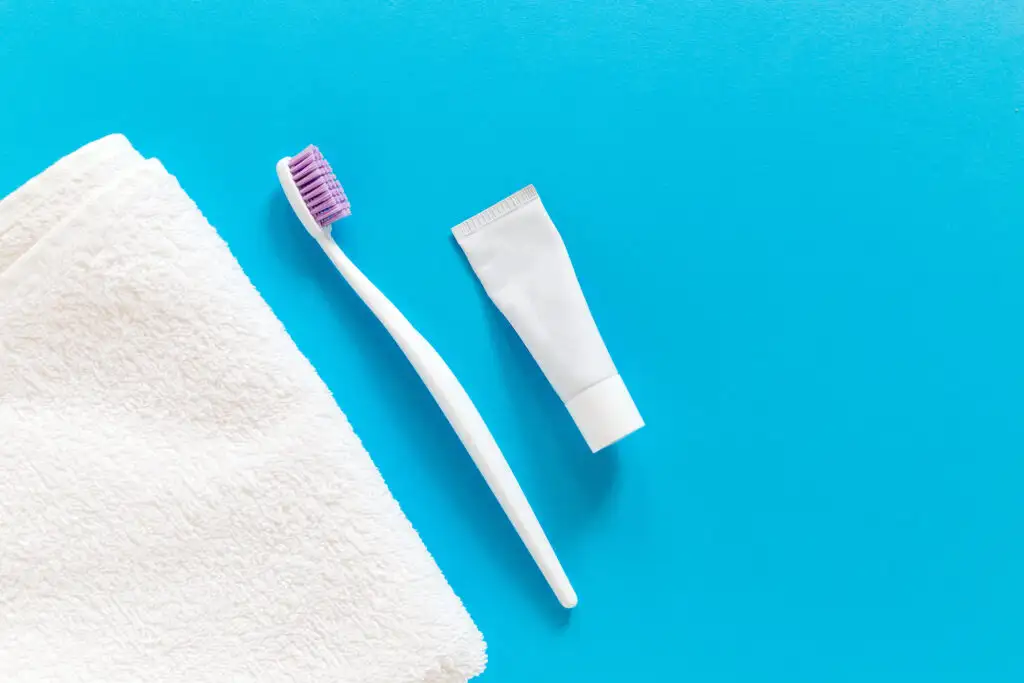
[(586, 479), (453, 470)]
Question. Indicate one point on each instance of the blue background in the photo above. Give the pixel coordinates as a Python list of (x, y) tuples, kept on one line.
[(798, 225)]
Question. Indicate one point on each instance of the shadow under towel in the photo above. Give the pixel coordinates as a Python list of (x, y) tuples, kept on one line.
[(180, 497)]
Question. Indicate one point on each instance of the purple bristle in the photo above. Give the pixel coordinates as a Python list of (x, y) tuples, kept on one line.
[(319, 188)]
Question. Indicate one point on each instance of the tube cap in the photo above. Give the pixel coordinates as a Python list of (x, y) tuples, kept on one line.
[(605, 413)]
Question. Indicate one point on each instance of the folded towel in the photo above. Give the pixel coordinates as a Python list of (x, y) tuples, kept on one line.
[(180, 497)]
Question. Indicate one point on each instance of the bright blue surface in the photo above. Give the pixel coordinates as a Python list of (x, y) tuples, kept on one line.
[(800, 229)]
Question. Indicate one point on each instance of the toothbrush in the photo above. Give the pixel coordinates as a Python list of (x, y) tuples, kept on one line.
[(319, 201)]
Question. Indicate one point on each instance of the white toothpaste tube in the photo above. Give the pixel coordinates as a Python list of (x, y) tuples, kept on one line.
[(520, 258)]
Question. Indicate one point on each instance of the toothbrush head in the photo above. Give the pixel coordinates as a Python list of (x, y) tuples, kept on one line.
[(313, 190)]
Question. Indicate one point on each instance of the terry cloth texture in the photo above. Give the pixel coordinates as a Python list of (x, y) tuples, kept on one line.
[(181, 499)]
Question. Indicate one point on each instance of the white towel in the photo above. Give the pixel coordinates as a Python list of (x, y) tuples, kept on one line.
[(180, 497)]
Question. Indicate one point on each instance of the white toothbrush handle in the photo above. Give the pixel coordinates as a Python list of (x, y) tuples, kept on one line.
[(464, 418)]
